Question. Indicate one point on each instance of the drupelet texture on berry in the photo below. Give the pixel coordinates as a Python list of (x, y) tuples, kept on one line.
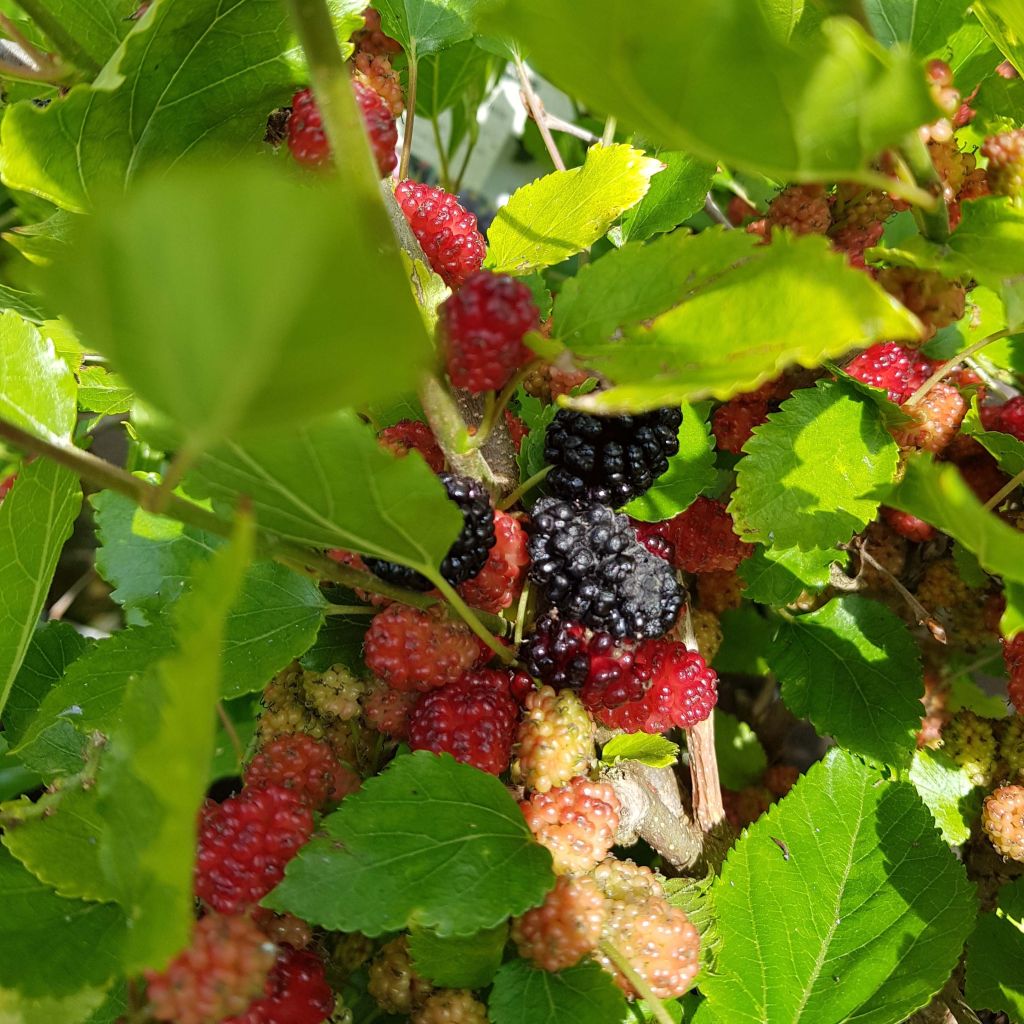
[(245, 843), (565, 927), (393, 983), (554, 740), (450, 1006), (302, 765), (1007, 417), (609, 459), (576, 822), (682, 690), (497, 585), (446, 231), (482, 325), (937, 419), (308, 142), (1013, 656), (467, 556), (803, 209), (703, 538), (899, 370), (593, 570), (1002, 817), (970, 742), (1005, 155), (388, 709), (219, 975), (934, 299), (297, 992), (412, 649), (473, 719)]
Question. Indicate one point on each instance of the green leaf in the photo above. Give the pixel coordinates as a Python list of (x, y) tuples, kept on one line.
[(921, 25), (747, 641), (36, 518), (72, 944), (937, 493), (332, 486), (103, 392), (446, 76), (741, 758), (841, 100), (689, 472), (638, 282), (277, 329), (58, 840), (650, 749), (863, 920), (995, 955), (1004, 22), (524, 995), (988, 246), (809, 471), (143, 111), (778, 576), (423, 26), (154, 776), (676, 193), (808, 306), (42, 242), (73, 1009), (340, 641), (469, 961), (564, 213), (97, 26), (151, 561), (37, 390), (26, 304), (854, 670), (51, 650), (1006, 449), (947, 792), (91, 693), (382, 868)]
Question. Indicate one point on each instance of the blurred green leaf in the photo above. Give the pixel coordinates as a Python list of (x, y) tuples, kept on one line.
[(73, 1009), (277, 328), (155, 773), (741, 758), (923, 26), (1007, 450), (195, 79), (1004, 22), (809, 472), (854, 669), (446, 76), (565, 212), (103, 392), (840, 99)]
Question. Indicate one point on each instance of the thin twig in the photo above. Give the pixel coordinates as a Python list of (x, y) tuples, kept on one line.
[(568, 128), (638, 981), (410, 113), (536, 109), (714, 211), (229, 728), (60, 607), (524, 488), (952, 364), (707, 787), (608, 135), (923, 616), (1004, 492)]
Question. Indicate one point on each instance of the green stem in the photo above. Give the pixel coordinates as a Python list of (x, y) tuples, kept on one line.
[(336, 101), (495, 409), (469, 616), (932, 218), (442, 155), (410, 113), (1001, 495), (105, 476), (351, 609), (59, 36), (638, 981), (608, 135), (952, 365), (232, 732), (470, 147), (450, 428), (525, 487)]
